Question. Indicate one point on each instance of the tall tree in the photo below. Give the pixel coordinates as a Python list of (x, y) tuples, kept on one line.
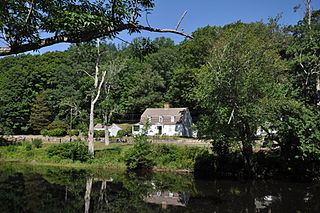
[(40, 114), (240, 86)]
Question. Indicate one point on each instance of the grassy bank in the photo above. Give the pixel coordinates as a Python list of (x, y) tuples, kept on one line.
[(165, 157)]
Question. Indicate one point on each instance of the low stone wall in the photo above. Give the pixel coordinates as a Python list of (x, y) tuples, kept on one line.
[(47, 139), (22, 138), (65, 139)]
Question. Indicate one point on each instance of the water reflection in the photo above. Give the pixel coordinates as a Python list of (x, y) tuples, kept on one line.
[(32, 189)]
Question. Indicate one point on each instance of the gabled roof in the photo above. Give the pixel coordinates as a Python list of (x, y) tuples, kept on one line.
[(153, 114)]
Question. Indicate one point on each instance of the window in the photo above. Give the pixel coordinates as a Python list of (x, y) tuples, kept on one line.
[(160, 119), (172, 118), (136, 128)]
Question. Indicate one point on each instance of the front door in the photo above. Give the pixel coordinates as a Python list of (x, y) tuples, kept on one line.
[(159, 130)]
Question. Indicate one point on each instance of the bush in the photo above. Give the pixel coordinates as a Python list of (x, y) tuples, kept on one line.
[(28, 147), (56, 132), (140, 155), (73, 132), (11, 148), (121, 133), (76, 151), (37, 143), (99, 133), (44, 132), (127, 131), (57, 124)]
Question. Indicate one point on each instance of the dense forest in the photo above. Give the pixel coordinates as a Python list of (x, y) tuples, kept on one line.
[(234, 79)]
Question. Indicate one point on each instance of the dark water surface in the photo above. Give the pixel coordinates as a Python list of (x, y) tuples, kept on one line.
[(45, 189)]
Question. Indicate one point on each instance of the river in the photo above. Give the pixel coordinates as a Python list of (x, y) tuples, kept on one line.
[(50, 189)]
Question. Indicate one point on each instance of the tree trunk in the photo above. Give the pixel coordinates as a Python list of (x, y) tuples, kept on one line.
[(106, 136), (308, 11), (91, 129), (102, 196), (318, 89), (107, 119), (87, 195)]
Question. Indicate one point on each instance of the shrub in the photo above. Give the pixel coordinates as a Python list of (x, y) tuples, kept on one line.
[(73, 132), (139, 156), (99, 133), (126, 131), (37, 143), (121, 133), (56, 132), (76, 151), (11, 148), (28, 147), (44, 132), (57, 124)]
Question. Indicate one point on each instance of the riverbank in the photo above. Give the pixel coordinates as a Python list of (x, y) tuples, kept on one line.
[(166, 157)]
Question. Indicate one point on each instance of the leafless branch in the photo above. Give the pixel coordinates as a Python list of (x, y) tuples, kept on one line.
[(30, 12), (181, 18), (301, 64), (99, 87), (81, 70), (231, 116)]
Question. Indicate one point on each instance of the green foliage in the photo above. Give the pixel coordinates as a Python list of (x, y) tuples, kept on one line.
[(37, 143), (298, 132), (98, 133), (84, 18), (11, 148), (242, 86), (73, 132), (173, 156), (139, 156), (58, 124), (28, 147), (40, 114), (75, 151), (124, 132)]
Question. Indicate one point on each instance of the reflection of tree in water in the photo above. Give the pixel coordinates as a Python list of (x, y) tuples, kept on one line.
[(55, 190)]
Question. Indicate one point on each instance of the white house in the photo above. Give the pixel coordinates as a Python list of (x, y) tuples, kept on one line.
[(113, 129), (165, 121)]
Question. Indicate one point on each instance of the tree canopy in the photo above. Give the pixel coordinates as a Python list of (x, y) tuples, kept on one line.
[(31, 24)]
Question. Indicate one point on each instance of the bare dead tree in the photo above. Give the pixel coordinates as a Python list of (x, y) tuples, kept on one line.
[(98, 82)]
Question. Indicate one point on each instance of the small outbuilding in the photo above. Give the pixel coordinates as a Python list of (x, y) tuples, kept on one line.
[(113, 129)]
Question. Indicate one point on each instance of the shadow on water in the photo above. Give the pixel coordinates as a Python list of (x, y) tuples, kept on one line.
[(43, 189)]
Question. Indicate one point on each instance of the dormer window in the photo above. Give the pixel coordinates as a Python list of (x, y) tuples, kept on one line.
[(149, 118), (172, 119), (160, 119)]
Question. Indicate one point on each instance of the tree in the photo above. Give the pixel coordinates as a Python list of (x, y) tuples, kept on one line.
[(40, 114), (25, 23), (109, 104), (304, 56), (241, 86)]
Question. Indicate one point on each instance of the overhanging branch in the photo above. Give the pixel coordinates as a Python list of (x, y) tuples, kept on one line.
[(83, 37)]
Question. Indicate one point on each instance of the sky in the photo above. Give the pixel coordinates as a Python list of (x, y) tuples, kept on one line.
[(201, 13)]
